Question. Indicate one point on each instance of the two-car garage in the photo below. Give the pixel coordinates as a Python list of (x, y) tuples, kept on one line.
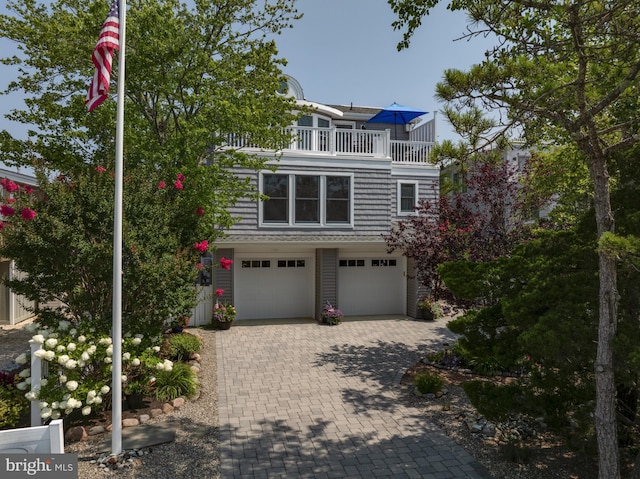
[(269, 285)]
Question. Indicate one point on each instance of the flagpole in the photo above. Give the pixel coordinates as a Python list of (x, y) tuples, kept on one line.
[(116, 332)]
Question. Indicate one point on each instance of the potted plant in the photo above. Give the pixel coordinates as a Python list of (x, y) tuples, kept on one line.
[(429, 307), (178, 324), (223, 313), (331, 315)]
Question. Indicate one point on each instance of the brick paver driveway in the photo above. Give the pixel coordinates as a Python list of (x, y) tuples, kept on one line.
[(313, 401)]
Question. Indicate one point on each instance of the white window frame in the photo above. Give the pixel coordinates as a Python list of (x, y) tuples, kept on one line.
[(322, 223), (415, 185)]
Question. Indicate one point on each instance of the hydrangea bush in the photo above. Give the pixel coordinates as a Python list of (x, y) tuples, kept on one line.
[(80, 372)]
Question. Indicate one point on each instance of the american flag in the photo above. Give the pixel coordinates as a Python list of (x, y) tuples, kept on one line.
[(108, 41)]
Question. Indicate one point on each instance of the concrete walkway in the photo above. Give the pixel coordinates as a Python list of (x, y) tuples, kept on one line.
[(313, 401)]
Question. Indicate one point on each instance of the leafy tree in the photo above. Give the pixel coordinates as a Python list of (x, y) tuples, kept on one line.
[(200, 80), (566, 72), (478, 225)]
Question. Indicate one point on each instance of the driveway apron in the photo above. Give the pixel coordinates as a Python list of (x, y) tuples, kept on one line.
[(315, 401)]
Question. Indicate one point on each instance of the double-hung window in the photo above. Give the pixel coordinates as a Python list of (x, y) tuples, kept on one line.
[(407, 197), (303, 199)]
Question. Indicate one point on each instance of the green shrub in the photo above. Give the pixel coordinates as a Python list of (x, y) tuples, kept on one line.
[(179, 381), (12, 406), (182, 346), (428, 383), (495, 402)]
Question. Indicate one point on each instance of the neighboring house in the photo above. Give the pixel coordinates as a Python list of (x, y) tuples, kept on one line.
[(515, 157), (13, 308), (337, 189)]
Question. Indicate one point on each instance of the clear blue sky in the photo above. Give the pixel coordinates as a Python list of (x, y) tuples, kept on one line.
[(344, 51)]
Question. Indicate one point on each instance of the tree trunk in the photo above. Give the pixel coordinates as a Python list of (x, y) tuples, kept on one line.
[(605, 410)]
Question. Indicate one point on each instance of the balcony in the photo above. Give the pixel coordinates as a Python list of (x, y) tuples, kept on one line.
[(350, 142)]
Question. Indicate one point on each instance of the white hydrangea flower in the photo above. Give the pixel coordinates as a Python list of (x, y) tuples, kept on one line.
[(49, 356), (62, 405), (71, 364), (22, 386), (31, 395), (38, 339), (71, 347), (97, 400), (109, 351), (82, 338), (22, 359), (72, 385), (62, 359), (135, 362), (85, 356), (124, 378), (60, 348), (156, 349), (86, 410), (168, 365), (55, 405), (126, 356), (160, 366), (73, 332), (68, 411), (45, 413), (25, 373), (73, 403), (53, 335), (136, 341), (62, 378), (105, 341), (107, 360), (105, 389), (92, 349), (51, 342), (55, 415), (81, 363), (44, 381), (40, 353), (43, 404)]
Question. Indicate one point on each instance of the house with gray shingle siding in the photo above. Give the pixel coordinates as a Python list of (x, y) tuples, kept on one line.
[(318, 238)]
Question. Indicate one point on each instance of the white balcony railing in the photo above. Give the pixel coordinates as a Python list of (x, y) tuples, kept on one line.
[(339, 141)]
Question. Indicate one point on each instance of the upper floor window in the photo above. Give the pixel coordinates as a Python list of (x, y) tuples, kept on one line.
[(302, 199), (407, 196)]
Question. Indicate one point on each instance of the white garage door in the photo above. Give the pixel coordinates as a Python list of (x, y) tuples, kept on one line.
[(274, 287), (371, 286)]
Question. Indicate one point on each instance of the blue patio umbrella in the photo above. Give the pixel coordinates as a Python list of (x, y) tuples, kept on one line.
[(396, 115)]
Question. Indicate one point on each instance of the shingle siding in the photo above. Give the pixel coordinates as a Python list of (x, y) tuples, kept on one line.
[(374, 204)]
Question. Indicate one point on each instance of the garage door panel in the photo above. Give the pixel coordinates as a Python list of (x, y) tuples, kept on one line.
[(367, 289), (274, 288)]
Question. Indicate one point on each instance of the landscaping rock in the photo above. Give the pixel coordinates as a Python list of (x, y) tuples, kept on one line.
[(75, 434), (167, 408), (177, 403), (155, 412), (96, 430), (130, 422), (143, 418)]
